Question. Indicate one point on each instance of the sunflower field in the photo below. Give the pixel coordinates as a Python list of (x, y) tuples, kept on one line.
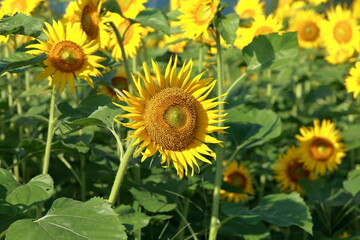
[(185, 119)]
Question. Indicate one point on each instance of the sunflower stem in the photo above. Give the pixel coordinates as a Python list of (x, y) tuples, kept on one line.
[(120, 174), (219, 150), (125, 60), (46, 160)]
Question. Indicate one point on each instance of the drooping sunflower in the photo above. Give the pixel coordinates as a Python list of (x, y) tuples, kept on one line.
[(131, 8), (197, 16), (171, 116), (307, 24), (131, 35), (249, 8), (238, 176), (341, 29), (321, 148), (260, 26), (352, 82), (118, 82), (21, 6), (68, 56), (289, 170), (88, 14)]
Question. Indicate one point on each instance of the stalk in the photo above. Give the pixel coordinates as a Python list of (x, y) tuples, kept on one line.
[(50, 133), (219, 150)]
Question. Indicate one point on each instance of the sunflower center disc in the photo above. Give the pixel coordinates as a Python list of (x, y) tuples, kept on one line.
[(309, 32), (263, 30), (296, 171), (238, 180), (321, 149), (342, 32), (67, 56), (248, 13), (20, 6), (90, 21), (170, 118), (119, 83)]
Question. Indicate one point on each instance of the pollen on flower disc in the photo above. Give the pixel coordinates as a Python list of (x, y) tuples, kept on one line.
[(67, 56)]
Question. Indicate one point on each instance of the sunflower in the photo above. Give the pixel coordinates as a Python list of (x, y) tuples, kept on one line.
[(355, 7), (321, 147), (238, 176), (249, 8), (131, 35), (339, 54), (21, 6), (175, 4), (88, 15), (287, 8), (260, 26), (352, 82), (175, 43), (131, 8), (172, 117), (197, 16), (118, 83), (289, 170), (341, 29), (307, 25), (67, 56), (317, 2)]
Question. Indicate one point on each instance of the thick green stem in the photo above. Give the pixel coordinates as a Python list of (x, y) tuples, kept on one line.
[(219, 150), (50, 133), (120, 174), (125, 60), (201, 50)]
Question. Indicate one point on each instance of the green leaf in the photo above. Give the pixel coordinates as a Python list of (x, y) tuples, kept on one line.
[(154, 18), (19, 62), (106, 114), (128, 216), (240, 211), (70, 219), (271, 51), (112, 6), (22, 24), (352, 184), (70, 127), (253, 127), (152, 202), (284, 210), (227, 27), (7, 183)]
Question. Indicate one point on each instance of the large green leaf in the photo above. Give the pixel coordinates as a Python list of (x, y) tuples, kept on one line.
[(70, 219), (19, 62), (227, 27), (154, 18), (285, 210), (352, 184), (134, 220), (271, 51), (152, 202), (106, 114), (240, 211), (253, 127), (22, 24)]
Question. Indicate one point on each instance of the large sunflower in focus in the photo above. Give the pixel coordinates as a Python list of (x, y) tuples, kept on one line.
[(321, 148), (238, 176), (131, 8), (352, 82), (131, 35), (197, 16), (22, 6), (249, 8), (307, 24), (289, 170), (171, 116), (341, 29), (68, 56)]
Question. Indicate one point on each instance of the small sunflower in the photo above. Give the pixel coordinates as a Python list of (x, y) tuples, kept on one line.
[(249, 8), (88, 14), (68, 56), (118, 82), (196, 16), (131, 8), (287, 8), (22, 6), (341, 29), (70, 13), (352, 82), (307, 25), (171, 116), (289, 170), (336, 55), (238, 176), (321, 148), (175, 43), (260, 26), (131, 35)]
